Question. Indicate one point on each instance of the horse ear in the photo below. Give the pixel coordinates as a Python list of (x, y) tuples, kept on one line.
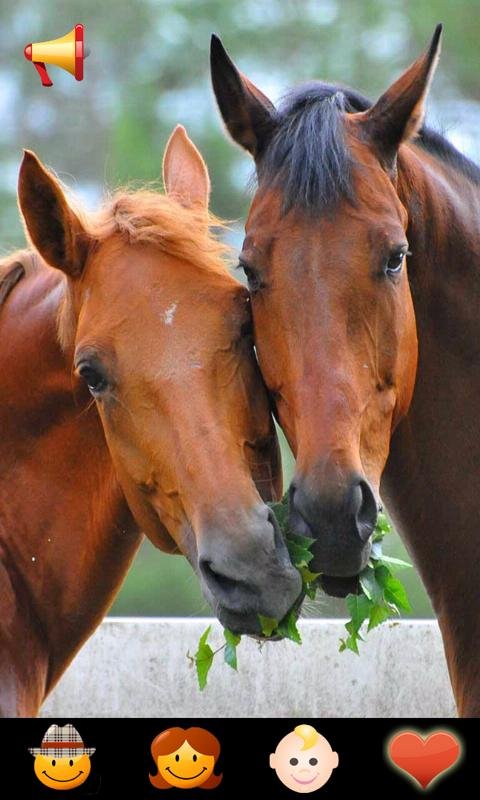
[(53, 228), (248, 114), (185, 173), (398, 114)]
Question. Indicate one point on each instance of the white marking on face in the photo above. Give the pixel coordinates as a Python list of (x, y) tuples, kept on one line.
[(170, 313)]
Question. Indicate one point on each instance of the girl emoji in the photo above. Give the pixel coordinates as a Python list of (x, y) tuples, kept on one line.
[(185, 758)]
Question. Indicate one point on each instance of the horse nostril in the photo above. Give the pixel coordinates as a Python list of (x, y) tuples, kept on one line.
[(365, 509), (216, 580), (278, 540), (291, 493)]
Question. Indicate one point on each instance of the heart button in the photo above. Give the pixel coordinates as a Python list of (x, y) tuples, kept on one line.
[(424, 758)]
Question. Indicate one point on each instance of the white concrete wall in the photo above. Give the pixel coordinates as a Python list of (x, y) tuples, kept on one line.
[(138, 667)]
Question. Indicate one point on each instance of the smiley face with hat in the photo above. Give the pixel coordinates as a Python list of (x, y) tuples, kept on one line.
[(62, 761)]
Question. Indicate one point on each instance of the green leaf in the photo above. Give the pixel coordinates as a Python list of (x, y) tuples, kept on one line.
[(368, 582), (288, 628), (310, 590), (299, 550), (378, 614), (281, 511), (393, 590), (395, 562), (395, 593), (203, 659), (268, 625), (307, 576), (302, 541), (383, 525), (351, 642), (232, 640), (359, 607)]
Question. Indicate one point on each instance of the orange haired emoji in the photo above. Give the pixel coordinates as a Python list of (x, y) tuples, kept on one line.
[(185, 758)]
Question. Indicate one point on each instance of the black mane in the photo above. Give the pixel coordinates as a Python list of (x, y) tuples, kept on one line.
[(308, 158)]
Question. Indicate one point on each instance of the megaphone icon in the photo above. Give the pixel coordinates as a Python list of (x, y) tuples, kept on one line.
[(67, 52)]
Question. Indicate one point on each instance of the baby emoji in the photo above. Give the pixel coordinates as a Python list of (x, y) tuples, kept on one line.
[(304, 760)]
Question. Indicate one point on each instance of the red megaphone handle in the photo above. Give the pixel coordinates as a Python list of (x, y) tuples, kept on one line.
[(41, 69)]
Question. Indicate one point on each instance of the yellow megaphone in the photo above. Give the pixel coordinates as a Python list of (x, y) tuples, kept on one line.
[(67, 52)]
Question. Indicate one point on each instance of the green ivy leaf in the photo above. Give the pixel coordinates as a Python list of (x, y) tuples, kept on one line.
[(393, 562), (393, 590), (359, 607), (232, 640), (299, 550), (310, 590), (383, 525), (288, 628), (281, 511), (268, 625), (203, 659), (369, 584), (308, 576), (351, 642), (378, 614)]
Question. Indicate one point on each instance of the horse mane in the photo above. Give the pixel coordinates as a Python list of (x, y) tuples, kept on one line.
[(308, 157), (13, 268), (148, 217), (28, 259)]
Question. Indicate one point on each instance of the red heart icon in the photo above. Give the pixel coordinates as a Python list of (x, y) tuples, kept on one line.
[(424, 758)]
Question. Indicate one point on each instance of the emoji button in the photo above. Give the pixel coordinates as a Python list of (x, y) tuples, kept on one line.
[(304, 760), (62, 762), (185, 758), (424, 758)]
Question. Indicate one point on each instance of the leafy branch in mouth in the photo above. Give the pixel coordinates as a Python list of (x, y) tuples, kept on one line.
[(380, 596)]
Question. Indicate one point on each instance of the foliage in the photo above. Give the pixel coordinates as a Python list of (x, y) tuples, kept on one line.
[(380, 596)]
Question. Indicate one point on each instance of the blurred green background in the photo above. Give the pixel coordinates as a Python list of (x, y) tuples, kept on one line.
[(148, 70)]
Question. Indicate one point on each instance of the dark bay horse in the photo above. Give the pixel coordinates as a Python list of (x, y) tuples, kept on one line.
[(346, 192), (134, 307)]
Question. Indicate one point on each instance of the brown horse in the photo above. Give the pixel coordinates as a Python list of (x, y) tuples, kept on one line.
[(345, 191), (140, 312)]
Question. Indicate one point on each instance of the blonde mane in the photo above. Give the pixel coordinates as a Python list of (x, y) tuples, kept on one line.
[(149, 217), (29, 260)]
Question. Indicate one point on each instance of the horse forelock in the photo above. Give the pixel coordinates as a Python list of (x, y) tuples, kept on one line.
[(308, 158)]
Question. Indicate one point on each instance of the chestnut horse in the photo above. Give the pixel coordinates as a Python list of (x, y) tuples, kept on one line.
[(136, 309), (347, 190)]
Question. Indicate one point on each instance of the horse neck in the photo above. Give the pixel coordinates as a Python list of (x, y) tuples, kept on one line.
[(432, 473), (66, 536)]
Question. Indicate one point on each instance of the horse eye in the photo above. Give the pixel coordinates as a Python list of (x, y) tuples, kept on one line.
[(252, 276), (94, 378), (395, 262)]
